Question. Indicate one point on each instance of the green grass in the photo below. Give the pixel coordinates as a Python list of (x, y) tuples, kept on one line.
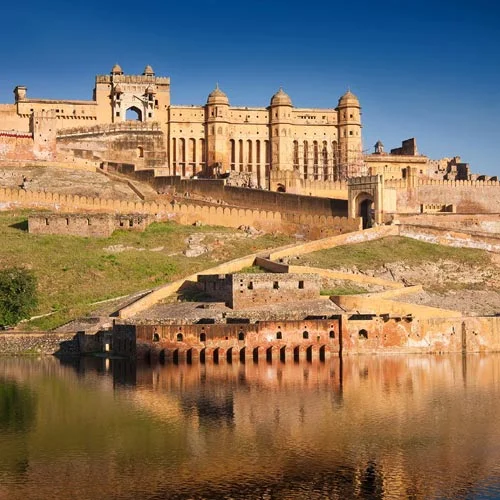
[(74, 272), (253, 270), (374, 254), (344, 290)]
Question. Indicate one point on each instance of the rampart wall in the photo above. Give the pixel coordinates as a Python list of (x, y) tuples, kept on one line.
[(184, 213), (466, 196), (238, 196)]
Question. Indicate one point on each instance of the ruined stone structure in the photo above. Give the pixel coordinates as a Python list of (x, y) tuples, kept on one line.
[(246, 290), (95, 225)]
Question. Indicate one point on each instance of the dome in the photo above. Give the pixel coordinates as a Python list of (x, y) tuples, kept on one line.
[(148, 71), (117, 70), (217, 96), (349, 99), (281, 98)]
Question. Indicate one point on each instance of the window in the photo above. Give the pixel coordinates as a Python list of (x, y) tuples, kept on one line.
[(156, 337), (250, 285), (179, 337), (276, 285), (241, 335), (301, 285), (332, 334), (203, 337), (305, 334), (279, 335), (350, 132), (363, 334)]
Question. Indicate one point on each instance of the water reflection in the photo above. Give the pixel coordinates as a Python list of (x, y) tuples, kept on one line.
[(362, 427)]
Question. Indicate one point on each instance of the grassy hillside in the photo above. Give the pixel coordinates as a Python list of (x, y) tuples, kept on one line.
[(374, 254), (74, 272)]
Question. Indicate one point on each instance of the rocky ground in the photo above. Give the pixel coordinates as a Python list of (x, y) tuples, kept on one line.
[(464, 287), (65, 181)]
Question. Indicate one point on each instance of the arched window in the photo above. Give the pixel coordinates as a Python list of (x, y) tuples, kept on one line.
[(363, 334), (332, 334), (203, 337), (179, 337), (156, 337), (305, 334), (241, 335), (279, 335), (133, 114)]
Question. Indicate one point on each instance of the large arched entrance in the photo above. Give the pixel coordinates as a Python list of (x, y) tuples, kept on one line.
[(133, 114)]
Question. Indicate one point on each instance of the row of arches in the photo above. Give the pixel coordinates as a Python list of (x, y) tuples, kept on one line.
[(283, 354)]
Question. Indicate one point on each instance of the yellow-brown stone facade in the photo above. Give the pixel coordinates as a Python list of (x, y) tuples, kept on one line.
[(277, 147)]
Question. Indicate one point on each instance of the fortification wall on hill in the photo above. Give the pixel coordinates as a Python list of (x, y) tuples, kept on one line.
[(185, 213), (239, 196), (466, 196)]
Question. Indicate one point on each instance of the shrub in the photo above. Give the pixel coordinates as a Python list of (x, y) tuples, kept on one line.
[(18, 296)]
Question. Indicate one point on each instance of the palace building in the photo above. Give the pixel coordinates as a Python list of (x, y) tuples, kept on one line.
[(278, 141)]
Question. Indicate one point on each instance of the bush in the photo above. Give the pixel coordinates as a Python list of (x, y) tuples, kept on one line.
[(18, 297)]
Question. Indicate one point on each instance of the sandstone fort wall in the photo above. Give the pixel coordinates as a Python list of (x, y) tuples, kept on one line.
[(185, 213), (466, 196)]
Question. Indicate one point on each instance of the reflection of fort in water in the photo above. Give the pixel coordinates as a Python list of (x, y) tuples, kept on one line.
[(357, 427)]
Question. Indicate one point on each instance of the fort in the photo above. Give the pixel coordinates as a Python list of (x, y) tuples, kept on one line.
[(279, 169)]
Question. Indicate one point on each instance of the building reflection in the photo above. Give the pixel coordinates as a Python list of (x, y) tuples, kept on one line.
[(361, 427)]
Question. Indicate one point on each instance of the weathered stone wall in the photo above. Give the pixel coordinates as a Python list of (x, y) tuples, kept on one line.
[(15, 145), (37, 343), (477, 223), (142, 144), (242, 290), (467, 196), (424, 335), (346, 334), (249, 335), (87, 225), (185, 213), (442, 236), (242, 197)]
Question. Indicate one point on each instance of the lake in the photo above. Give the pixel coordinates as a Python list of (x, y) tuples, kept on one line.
[(370, 427)]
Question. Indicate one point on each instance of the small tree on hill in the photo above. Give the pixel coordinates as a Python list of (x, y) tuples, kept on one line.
[(18, 295)]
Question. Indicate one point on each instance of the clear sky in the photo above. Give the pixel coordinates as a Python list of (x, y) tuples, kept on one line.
[(424, 69)]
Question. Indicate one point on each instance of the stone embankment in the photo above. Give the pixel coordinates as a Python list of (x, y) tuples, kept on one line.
[(25, 343)]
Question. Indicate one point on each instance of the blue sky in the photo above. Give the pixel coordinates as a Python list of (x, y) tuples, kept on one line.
[(429, 70)]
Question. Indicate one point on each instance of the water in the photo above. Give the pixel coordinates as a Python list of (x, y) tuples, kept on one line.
[(367, 427)]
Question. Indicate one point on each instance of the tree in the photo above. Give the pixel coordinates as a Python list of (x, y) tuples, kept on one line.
[(18, 296)]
